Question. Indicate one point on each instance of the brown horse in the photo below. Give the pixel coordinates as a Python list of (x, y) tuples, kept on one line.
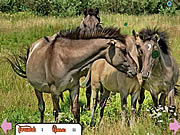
[(91, 21), (55, 66), (159, 71)]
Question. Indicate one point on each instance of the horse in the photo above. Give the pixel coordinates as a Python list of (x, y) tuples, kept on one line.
[(106, 77), (91, 21), (160, 70), (55, 66)]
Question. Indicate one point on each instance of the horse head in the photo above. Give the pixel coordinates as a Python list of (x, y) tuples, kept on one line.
[(91, 20), (121, 56), (147, 42)]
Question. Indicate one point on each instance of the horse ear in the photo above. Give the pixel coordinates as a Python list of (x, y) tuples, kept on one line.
[(133, 51), (156, 38), (85, 12), (97, 11), (112, 42), (134, 33)]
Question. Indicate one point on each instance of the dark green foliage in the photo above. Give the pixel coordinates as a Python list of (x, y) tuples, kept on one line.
[(76, 7), (12, 5)]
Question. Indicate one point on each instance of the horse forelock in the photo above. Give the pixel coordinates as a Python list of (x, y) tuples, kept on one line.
[(148, 34), (107, 33), (92, 11)]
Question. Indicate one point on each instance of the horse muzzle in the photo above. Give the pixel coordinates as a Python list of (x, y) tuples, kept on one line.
[(131, 73), (145, 75)]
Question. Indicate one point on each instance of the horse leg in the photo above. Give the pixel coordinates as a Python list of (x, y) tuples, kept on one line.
[(75, 103), (88, 97), (55, 100), (94, 103), (41, 104), (141, 99), (171, 97), (134, 98), (124, 108), (171, 106), (162, 99), (155, 99), (101, 90), (103, 101), (56, 109)]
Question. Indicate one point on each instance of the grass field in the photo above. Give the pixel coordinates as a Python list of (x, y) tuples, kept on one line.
[(17, 98)]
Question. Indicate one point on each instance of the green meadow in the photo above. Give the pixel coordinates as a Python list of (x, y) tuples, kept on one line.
[(18, 102)]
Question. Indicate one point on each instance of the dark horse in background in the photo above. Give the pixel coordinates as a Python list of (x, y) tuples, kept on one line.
[(90, 22), (159, 71), (55, 66)]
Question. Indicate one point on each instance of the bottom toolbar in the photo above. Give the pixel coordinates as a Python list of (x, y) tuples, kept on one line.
[(48, 129)]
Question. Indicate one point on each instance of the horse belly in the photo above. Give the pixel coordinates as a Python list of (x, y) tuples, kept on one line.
[(127, 85), (155, 86), (37, 77), (40, 86), (109, 81)]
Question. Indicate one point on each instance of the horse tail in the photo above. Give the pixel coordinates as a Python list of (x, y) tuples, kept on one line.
[(18, 64), (87, 82)]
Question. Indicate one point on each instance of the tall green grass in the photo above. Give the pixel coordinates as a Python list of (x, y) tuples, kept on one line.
[(18, 102)]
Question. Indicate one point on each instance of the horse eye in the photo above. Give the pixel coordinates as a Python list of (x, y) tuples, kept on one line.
[(123, 50), (149, 46), (85, 25), (140, 52), (141, 37)]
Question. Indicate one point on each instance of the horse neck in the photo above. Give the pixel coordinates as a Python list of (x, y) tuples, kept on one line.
[(83, 52), (163, 66), (165, 61)]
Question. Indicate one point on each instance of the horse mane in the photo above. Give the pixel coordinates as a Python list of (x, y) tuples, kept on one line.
[(107, 33), (148, 34)]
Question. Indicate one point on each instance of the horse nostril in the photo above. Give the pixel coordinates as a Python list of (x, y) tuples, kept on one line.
[(144, 77), (147, 74), (135, 73)]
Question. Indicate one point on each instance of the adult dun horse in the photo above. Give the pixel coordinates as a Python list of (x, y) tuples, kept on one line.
[(55, 66), (91, 21), (159, 71)]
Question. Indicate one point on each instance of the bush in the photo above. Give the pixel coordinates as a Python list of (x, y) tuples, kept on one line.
[(75, 7), (12, 5)]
